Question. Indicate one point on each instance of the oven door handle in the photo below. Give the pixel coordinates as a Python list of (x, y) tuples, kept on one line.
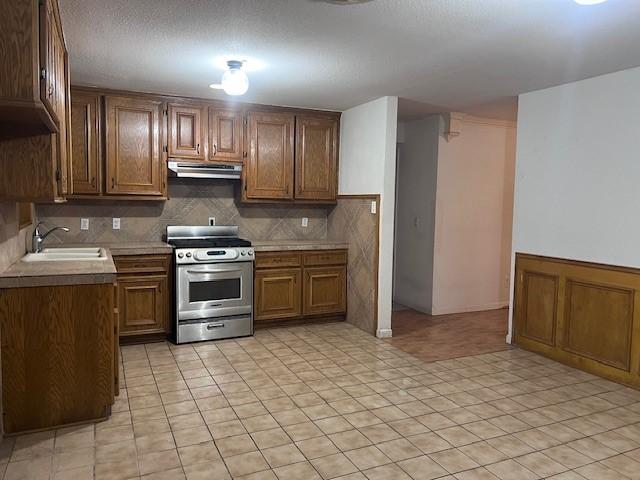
[(211, 326), (209, 272)]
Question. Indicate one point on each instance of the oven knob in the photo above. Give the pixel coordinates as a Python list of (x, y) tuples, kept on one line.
[(243, 253), (180, 255), (188, 254), (250, 252)]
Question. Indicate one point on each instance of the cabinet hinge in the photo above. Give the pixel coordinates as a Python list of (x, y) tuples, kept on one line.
[(58, 175), (165, 148), (244, 154), (165, 112), (43, 74)]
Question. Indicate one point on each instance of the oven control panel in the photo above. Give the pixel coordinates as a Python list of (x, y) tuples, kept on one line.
[(214, 255)]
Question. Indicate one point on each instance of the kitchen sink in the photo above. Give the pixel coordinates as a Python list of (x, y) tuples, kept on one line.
[(71, 254)]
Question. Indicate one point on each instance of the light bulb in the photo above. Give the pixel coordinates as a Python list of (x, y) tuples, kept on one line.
[(235, 81), (589, 2)]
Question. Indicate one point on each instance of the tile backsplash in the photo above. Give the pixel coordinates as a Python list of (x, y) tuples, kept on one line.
[(12, 240), (191, 202)]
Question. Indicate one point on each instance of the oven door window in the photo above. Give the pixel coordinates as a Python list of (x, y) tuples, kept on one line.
[(215, 290)]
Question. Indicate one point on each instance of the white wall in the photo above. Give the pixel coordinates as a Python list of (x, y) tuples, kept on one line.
[(415, 213), (474, 210), (577, 188), (367, 166)]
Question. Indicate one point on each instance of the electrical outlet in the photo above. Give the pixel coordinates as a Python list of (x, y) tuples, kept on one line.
[(84, 224), (116, 223), (374, 207), (305, 222), (212, 221)]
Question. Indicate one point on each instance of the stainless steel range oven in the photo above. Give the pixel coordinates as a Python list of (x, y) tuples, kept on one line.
[(213, 283)]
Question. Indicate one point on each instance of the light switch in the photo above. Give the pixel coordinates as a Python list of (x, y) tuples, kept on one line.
[(116, 223), (84, 224), (374, 207), (212, 221), (305, 222)]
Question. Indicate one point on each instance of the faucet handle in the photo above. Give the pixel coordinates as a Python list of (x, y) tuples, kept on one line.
[(36, 230)]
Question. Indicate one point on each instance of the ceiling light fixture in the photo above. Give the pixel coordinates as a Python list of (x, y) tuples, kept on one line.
[(234, 79), (589, 2)]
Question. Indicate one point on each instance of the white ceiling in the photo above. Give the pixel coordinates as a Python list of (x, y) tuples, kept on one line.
[(465, 55)]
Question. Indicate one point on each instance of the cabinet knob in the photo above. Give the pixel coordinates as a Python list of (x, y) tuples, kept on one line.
[(198, 149), (113, 182), (215, 149)]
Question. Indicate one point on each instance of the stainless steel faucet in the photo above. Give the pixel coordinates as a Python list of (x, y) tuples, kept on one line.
[(37, 238)]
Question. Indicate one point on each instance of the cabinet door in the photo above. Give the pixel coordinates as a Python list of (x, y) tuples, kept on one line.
[(316, 158), (187, 131), (85, 157), (134, 162), (225, 135), (48, 45), (269, 167), (142, 304), (277, 294), (325, 290)]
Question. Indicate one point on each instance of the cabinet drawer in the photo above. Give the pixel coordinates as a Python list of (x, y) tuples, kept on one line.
[(326, 257), (278, 259), (142, 263)]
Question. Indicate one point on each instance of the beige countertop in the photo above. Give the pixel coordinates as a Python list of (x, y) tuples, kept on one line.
[(278, 245), (138, 248), (38, 274)]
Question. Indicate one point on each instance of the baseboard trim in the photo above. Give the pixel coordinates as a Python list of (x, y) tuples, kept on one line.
[(384, 333), (472, 308)]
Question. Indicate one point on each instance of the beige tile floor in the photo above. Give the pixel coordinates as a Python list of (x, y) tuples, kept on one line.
[(331, 401)]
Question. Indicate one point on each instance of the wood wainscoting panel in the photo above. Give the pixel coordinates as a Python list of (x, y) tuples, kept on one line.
[(598, 321), (539, 307), (586, 315)]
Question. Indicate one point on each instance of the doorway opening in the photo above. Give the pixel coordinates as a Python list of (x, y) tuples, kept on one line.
[(452, 241)]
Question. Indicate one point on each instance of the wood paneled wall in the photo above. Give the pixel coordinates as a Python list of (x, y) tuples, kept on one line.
[(57, 355), (584, 314)]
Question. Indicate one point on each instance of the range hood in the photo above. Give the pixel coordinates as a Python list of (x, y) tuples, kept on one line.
[(204, 170)]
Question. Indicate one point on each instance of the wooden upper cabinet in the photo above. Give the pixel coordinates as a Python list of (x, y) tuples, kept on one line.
[(187, 130), (134, 163), (316, 158), (269, 166), (226, 130), (33, 82), (85, 154), (34, 102)]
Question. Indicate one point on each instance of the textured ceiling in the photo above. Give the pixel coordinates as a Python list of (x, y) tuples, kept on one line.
[(466, 55)]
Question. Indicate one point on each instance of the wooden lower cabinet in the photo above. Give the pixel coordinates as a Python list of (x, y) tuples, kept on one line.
[(277, 293), (325, 290), (142, 304), (583, 314), (143, 295), (299, 285), (57, 355)]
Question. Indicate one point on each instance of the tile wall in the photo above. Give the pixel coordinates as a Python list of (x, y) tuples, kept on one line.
[(351, 221), (191, 202)]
